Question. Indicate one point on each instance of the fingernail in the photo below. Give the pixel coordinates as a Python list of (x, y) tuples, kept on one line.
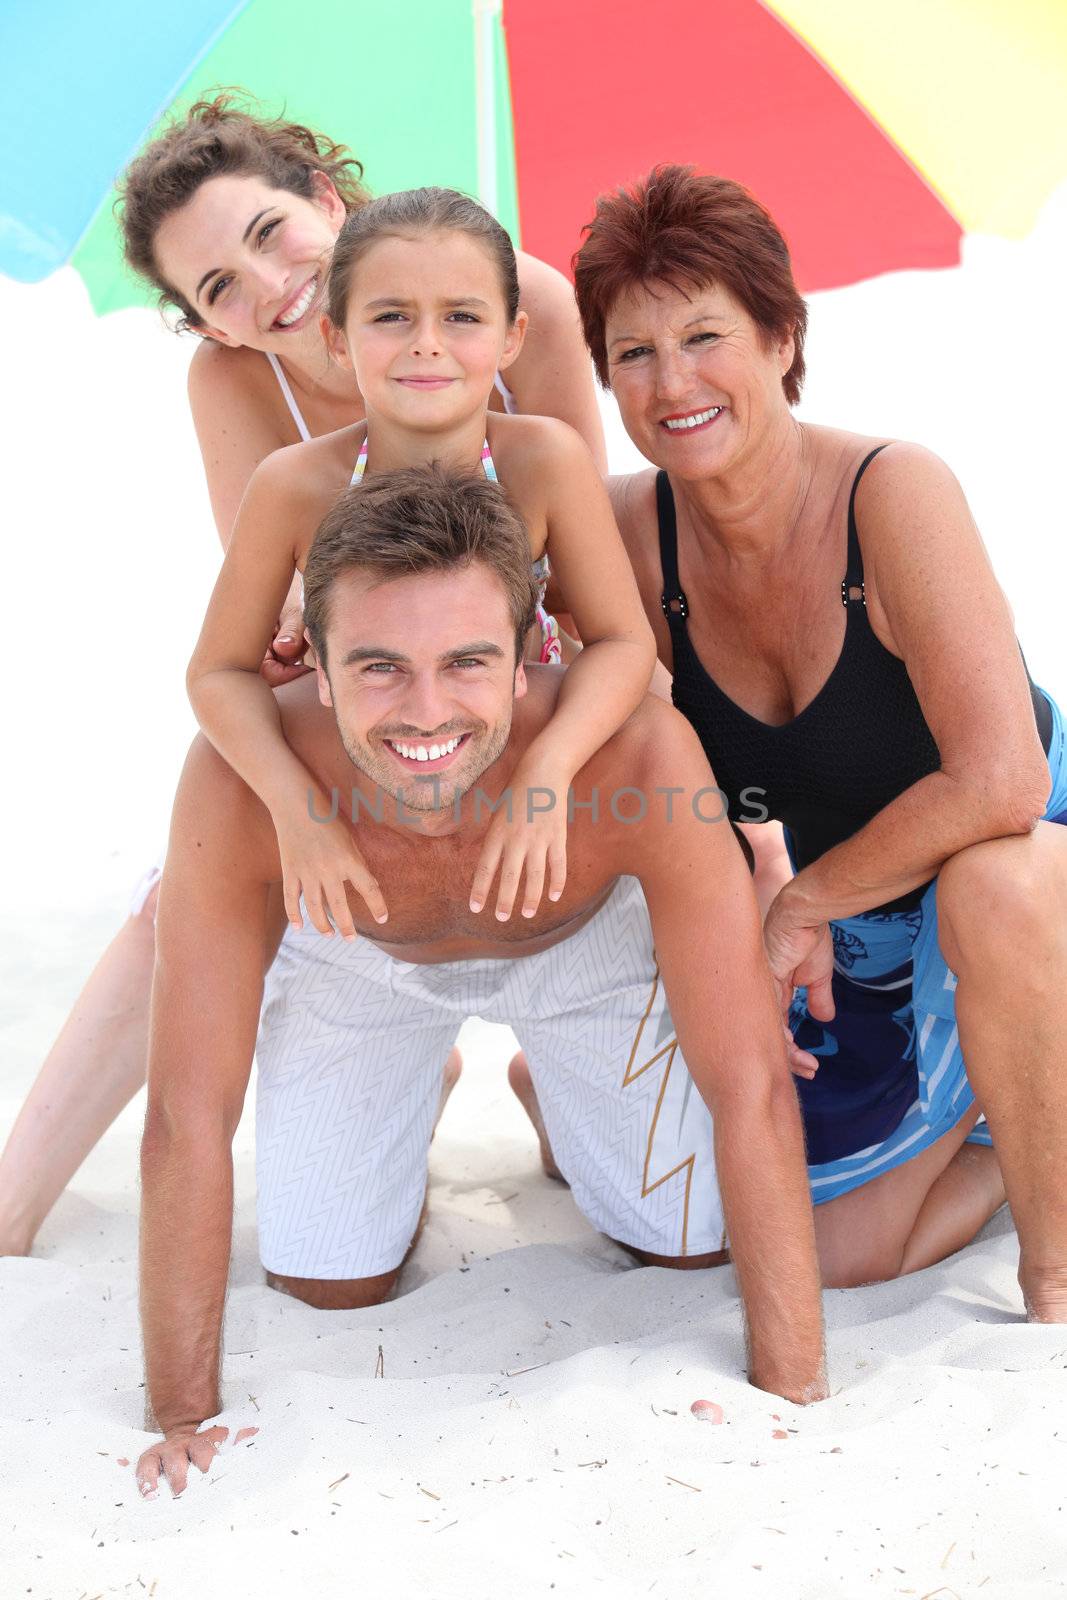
[(555, 894), (527, 911), (285, 638), (383, 918), (502, 916), (476, 905)]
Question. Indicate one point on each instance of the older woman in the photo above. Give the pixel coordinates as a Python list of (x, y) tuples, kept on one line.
[(839, 642)]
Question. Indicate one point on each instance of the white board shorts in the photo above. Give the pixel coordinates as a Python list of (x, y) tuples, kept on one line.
[(351, 1050)]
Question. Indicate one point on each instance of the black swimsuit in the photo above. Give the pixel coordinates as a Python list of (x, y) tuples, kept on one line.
[(858, 744)]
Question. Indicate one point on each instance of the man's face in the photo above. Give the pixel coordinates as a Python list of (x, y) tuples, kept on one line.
[(419, 665)]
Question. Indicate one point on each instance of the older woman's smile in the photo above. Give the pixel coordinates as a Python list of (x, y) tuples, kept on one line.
[(691, 421)]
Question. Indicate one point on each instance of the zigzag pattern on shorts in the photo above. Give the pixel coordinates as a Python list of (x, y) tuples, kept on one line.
[(351, 1049)]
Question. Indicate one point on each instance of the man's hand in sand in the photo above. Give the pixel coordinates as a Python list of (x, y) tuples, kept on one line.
[(171, 1457)]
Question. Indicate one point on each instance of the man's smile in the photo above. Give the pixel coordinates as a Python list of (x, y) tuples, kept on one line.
[(424, 755)]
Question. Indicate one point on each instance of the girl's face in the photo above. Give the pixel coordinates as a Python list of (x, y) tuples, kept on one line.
[(251, 260), (426, 329)]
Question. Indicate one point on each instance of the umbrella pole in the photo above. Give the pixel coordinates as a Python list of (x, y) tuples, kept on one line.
[(486, 13)]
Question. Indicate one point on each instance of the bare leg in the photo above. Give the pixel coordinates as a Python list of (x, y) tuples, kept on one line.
[(524, 1091), (714, 1258), (349, 1294), (1002, 916), (453, 1068), (911, 1217), (93, 1070), (961, 1200), (338, 1294)]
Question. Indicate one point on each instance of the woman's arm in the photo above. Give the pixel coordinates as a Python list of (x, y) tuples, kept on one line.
[(236, 430), (552, 376), (928, 576)]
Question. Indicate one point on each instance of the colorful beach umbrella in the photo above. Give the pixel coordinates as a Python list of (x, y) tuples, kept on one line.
[(406, 84), (877, 134)]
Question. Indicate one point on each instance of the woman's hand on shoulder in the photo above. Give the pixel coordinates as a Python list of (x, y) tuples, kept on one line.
[(535, 457)]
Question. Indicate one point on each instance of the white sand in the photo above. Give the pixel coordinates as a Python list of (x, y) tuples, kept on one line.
[(939, 1467)]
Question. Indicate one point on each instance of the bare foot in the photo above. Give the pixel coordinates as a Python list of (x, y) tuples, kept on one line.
[(15, 1240), (522, 1086), (453, 1068), (1044, 1294)]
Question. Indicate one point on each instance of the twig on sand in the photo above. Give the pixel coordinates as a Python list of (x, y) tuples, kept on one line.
[(254, 1401), (948, 1552), (379, 1371), (429, 1492), (518, 1371), (681, 1481), (338, 1481)]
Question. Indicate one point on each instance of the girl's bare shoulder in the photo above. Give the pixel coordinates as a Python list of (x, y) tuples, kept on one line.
[(307, 473), (538, 441)]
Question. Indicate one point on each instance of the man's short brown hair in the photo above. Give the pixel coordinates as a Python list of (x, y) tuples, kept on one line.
[(420, 519)]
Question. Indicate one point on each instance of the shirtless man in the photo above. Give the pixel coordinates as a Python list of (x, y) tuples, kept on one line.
[(418, 597)]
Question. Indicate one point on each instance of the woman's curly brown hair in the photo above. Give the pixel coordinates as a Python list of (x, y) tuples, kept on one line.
[(216, 138)]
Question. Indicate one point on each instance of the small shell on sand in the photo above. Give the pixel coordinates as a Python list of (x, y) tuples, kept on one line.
[(706, 1411), (779, 1433)]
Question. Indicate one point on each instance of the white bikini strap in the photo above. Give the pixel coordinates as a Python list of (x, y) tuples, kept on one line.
[(288, 395), (510, 403)]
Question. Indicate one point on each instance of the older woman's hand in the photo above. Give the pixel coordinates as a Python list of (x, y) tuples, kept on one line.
[(800, 956)]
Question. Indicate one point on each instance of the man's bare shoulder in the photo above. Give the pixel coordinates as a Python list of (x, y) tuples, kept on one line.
[(656, 744)]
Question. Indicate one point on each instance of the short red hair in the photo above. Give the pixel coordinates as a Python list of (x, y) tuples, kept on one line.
[(688, 230)]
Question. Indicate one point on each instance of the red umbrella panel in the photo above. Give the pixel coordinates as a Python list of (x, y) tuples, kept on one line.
[(602, 93)]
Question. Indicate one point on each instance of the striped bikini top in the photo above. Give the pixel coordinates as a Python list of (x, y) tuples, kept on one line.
[(540, 568)]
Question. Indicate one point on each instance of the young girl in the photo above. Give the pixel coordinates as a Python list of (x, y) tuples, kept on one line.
[(423, 305)]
